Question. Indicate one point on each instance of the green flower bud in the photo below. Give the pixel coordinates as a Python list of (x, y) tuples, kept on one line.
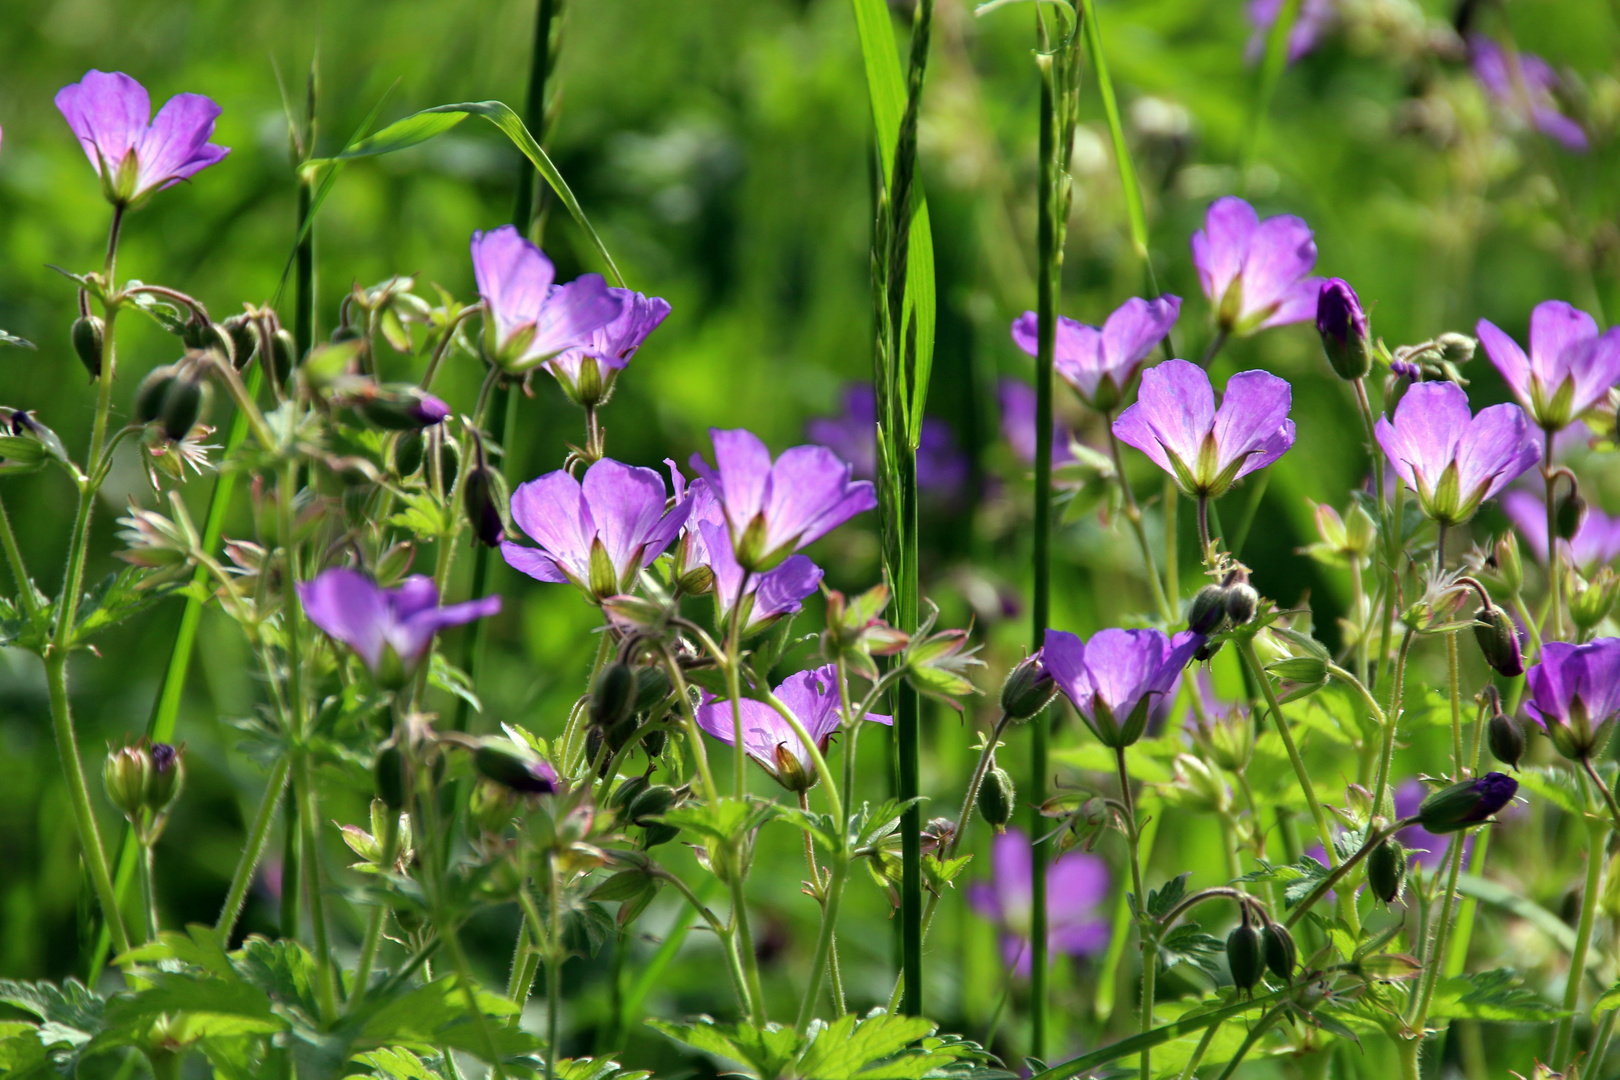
[(1509, 567), (1241, 602), (658, 833), (491, 806), (1207, 611), (1499, 641), (626, 793), (996, 796), (1469, 802), (1029, 689), (483, 506), (171, 395), (652, 687), (654, 741), (1386, 871), (1505, 736), (651, 804), (1456, 348), (613, 698), (1282, 955), (283, 355), (244, 339), (1244, 954), (89, 334), (127, 775), (408, 452)]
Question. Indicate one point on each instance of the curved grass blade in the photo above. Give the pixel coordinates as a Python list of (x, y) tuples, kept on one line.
[(1271, 70), (1091, 35)]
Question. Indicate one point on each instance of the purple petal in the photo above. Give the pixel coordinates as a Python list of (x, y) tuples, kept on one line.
[(1493, 452), (1509, 359), (626, 504), (1075, 884), (1124, 666), (571, 314), (1064, 655), (1220, 247), (1528, 513), (1253, 420), (514, 277), (1297, 305), (176, 146), (412, 638), (742, 474), (553, 511), (1282, 251), (1174, 410), (350, 607), (1135, 329), (1429, 422), (782, 590), (537, 564), (1026, 332), (415, 594), (108, 111)]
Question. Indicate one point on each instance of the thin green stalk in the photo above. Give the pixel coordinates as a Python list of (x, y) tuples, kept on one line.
[(1392, 716), (1172, 558), (1261, 1026), (1434, 959), (1555, 557), (1150, 955), (1457, 760), (308, 820), (745, 945), (555, 957), (374, 921), (252, 850), (824, 940), (19, 572), (1596, 834), (149, 893), (1246, 650)]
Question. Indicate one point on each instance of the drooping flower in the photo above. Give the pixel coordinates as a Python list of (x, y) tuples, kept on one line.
[(704, 541), (1570, 367), (1527, 86), (812, 697), (1315, 18), (774, 508), (1596, 542), (1455, 461), (390, 629), (1342, 324), (597, 534), (1102, 362), (530, 317), (1119, 679), (134, 152), (1207, 450), (1255, 273), (1076, 883), (1575, 694), (852, 435), (1016, 399), (587, 372)]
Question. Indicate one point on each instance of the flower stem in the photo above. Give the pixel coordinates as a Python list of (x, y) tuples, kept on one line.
[(252, 850), (824, 939), (745, 943), (1133, 514), (19, 572), (1435, 960), (1150, 955), (1392, 715), (1458, 763), (1555, 557), (148, 893), (1246, 650), (1596, 835)]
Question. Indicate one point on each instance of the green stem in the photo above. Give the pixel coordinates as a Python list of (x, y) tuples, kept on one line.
[(1246, 650), (1150, 956), (1555, 557), (824, 940), (555, 958), (19, 572), (745, 943), (1458, 762), (242, 878), (1596, 833), (1435, 958), (1172, 559), (309, 824), (374, 921), (1133, 514), (149, 893), (1392, 716), (1261, 1026)]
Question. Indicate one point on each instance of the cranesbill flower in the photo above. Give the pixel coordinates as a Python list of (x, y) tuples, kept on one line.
[(773, 508), (1530, 92), (1570, 367), (1207, 450), (1102, 362), (852, 435), (1119, 678), (529, 317), (1017, 402), (1076, 883), (135, 153), (390, 629), (587, 372), (765, 597), (1455, 461), (1313, 21), (1468, 802), (812, 697), (1596, 541), (1575, 694), (1255, 273), (1342, 324), (597, 534)]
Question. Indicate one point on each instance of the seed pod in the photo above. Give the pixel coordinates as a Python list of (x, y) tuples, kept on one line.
[(1207, 611), (996, 796), (1386, 870), (653, 742), (1281, 953), (408, 452), (283, 355), (1241, 602), (1243, 954), (171, 394), (613, 698), (1029, 689), (244, 337), (1506, 738), (658, 833), (626, 793), (89, 335), (652, 687), (389, 772), (1499, 641)]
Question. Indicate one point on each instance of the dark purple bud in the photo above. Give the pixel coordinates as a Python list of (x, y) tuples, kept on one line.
[(168, 776), (1343, 326), (483, 506), (1499, 640), (1245, 954), (402, 408), (1506, 738), (1207, 611), (1029, 689), (1466, 803), (500, 760), (1282, 955)]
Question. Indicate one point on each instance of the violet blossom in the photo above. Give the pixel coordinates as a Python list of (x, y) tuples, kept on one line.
[(1255, 273), (134, 152), (1207, 450), (852, 435), (1455, 461), (773, 508), (1315, 18), (1102, 362), (529, 318), (1527, 86), (1016, 399), (587, 372), (1596, 541), (1076, 884), (1119, 679), (597, 534), (1570, 367), (813, 699), (390, 629), (1575, 694), (1341, 322)]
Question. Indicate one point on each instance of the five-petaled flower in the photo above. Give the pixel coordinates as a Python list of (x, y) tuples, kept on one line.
[(1255, 273), (598, 534), (529, 318), (1102, 362), (134, 152), (813, 699), (1575, 694), (1076, 883), (587, 372), (1207, 450), (390, 629), (1119, 679), (1455, 461), (1526, 85), (765, 597), (1570, 367)]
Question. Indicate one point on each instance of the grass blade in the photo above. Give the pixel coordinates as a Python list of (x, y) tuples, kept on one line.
[(1128, 183), (1271, 70)]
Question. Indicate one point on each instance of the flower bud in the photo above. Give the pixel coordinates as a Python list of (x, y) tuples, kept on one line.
[(407, 452), (1499, 641), (127, 775), (1591, 600), (1028, 690), (1509, 567), (491, 806), (1231, 740), (168, 776), (171, 395), (1342, 324), (1505, 736), (89, 335), (613, 698), (501, 761), (482, 503), (1469, 802), (1241, 602), (626, 793), (790, 771), (1568, 514), (244, 339), (1282, 955), (996, 796), (652, 687), (1244, 954), (1360, 531), (283, 355), (651, 804), (389, 774), (1386, 871), (401, 408), (1456, 348), (1207, 611), (658, 833), (654, 741)]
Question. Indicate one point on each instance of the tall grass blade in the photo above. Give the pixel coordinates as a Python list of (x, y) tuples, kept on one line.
[(1271, 71)]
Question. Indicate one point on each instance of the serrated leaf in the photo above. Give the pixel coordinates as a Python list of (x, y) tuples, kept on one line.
[(767, 1050), (1161, 901), (848, 1047), (1497, 995)]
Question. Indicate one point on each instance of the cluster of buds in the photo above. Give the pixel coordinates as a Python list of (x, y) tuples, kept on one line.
[(1251, 951), (1342, 541), (1438, 359), (641, 803), (620, 703), (937, 662), (143, 781), (856, 631), (1214, 608)]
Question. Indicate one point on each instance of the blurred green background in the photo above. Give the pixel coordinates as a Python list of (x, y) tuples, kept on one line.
[(722, 148)]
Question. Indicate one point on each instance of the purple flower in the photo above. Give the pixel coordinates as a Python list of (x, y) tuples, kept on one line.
[(1596, 541), (704, 541), (1455, 461), (1255, 273), (1075, 884), (1313, 21), (812, 698), (774, 508), (597, 535), (1101, 363), (134, 153), (852, 435), (1575, 694), (391, 629), (1570, 367), (587, 372), (1207, 450), (530, 318), (1530, 91), (1017, 402), (1426, 848), (1342, 324), (1120, 678)]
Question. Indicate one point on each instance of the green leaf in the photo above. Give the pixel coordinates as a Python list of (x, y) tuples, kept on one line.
[(117, 597), (1489, 995), (15, 341), (767, 1050), (847, 1048), (594, 1069), (452, 680), (1186, 943), (1091, 34), (396, 1063), (1161, 901)]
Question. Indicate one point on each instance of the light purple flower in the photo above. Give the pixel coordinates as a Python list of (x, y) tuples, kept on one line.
[(1455, 461), (390, 629), (135, 153), (1102, 362), (597, 534), (1315, 18), (1575, 694), (1255, 273), (1596, 541), (774, 508), (1017, 402), (529, 317), (852, 435), (587, 372), (1119, 679), (1531, 93), (1570, 367), (1076, 883), (812, 697), (1207, 450)]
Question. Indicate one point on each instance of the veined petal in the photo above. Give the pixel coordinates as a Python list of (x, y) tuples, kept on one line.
[(1134, 330), (1251, 417), (514, 277), (552, 510), (176, 146), (626, 504), (1509, 359), (741, 476), (1220, 247), (1298, 304), (1496, 448), (534, 562), (108, 112), (1175, 407), (351, 608), (570, 314), (1429, 423), (1282, 251), (1561, 341)]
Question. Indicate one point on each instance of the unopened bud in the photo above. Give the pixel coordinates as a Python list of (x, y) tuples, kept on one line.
[(491, 806), (790, 771), (127, 775), (1456, 348), (168, 776), (499, 760), (652, 803), (283, 355), (171, 395), (1282, 955), (1386, 870), (89, 335), (1207, 611), (1469, 802), (1568, 513), (1506, 738), (1244, 954), (652, 687), (244, 338), (1499, 641), (1028, 690), (1241, 602), (389, 774), (1509, 568), (996, 795), (654, 741), (613, 698), (407, 452), (482, 503), (402, 408), (657, 833), (1342, 324)]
